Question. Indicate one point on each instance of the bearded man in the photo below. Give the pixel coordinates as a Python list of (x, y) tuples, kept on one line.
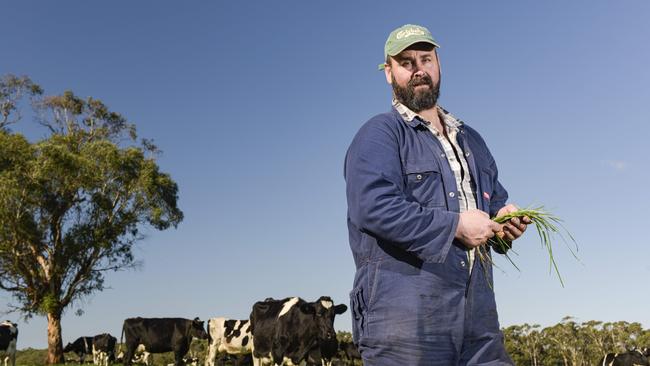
[(421, 188)]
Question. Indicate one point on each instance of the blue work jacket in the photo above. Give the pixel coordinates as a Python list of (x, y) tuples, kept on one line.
[(414, 300)]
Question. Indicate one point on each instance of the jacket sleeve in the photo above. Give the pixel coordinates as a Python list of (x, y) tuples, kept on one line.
[(377, 204)]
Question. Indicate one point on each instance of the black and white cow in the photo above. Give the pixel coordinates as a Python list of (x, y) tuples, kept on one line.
[(349, 351), (293, 331), (8, 339), (228, 336), (82, 346), (103, 349), (629, 358), (140, 356), (160, 335)]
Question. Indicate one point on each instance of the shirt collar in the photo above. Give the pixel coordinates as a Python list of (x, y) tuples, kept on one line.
[(410, 117)]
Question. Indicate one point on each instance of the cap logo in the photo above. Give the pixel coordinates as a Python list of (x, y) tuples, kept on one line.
[(409, 32)]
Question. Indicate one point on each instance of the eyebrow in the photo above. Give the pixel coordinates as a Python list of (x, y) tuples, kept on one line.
[(401, 57)]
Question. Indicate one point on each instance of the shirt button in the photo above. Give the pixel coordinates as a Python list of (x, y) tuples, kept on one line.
[(462, 263), (452, 194)]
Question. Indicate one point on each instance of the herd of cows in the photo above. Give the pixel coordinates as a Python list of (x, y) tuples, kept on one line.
[(289, 332)]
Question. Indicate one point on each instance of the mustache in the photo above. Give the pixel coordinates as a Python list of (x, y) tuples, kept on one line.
[(420, 80)]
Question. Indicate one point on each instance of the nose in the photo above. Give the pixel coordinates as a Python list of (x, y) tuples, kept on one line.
[(418, 73)]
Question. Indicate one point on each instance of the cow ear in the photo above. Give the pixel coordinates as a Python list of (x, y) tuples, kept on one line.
[(308, 308), (340, 309)]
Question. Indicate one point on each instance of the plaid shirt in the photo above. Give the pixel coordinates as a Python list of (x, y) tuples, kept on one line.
[(454, 154)]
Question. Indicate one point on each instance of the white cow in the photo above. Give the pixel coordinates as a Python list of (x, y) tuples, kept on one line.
[(229, 336)]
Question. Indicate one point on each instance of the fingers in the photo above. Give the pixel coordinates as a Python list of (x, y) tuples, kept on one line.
[(495, 227), (507, 209), (514, 228)]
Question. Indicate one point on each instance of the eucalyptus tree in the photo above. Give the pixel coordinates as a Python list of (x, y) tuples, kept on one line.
[(73, 204), (12, 90)]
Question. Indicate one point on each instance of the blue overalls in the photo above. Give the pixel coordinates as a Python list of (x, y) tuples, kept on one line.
[(414, 300)]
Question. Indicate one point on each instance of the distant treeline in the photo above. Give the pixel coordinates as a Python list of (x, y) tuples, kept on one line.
[(570, 343)]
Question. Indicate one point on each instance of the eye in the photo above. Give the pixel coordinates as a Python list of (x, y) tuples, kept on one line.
[(405, 63)]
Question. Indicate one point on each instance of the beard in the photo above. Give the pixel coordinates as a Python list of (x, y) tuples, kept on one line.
[(417, 100)]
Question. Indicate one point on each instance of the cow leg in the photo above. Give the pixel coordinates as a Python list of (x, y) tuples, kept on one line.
[(11, 352), (212, 354), (178, 358), (257, 361), (127, 359)]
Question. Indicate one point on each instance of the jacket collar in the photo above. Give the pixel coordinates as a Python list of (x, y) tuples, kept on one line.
[(414, 120)]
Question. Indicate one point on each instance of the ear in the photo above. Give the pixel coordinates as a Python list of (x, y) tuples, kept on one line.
[(340, 309), (388, 72), (308, 308)]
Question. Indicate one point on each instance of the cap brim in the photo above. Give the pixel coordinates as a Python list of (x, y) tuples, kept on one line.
[(398, 50)]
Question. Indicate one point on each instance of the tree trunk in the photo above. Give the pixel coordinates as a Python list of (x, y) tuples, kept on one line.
[(54, 341)]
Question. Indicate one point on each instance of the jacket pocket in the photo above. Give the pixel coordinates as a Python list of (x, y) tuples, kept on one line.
[(359, 314), (423, 183), (486, 186)]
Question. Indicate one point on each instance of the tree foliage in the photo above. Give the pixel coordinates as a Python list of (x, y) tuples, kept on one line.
[(73, 204), (570, 343), (12, 90)]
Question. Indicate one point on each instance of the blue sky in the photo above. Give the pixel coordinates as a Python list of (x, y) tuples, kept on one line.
[(255, 103)]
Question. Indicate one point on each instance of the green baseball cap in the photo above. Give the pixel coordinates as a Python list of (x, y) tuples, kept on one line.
[(404, 36)]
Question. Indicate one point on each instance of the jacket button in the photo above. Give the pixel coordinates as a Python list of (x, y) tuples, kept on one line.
[(467, 154), (462, 263), (452, 194), (418, 177), (442, 155)]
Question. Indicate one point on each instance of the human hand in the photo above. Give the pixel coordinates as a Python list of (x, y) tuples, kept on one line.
[(515, 227), (475, 228)]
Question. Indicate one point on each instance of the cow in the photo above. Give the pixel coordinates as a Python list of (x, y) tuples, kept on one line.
[(629, 358), (349, 351), (82, 346), (160, 335), (228, 336), (103, 349), (8, 339), (140, 356), (293, 331)]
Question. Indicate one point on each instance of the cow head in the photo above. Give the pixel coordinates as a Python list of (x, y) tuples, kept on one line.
[(67, 348), (324, 311), (197, 330), (13, 327)]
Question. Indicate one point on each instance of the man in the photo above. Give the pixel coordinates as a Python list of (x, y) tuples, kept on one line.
[(421, 188)]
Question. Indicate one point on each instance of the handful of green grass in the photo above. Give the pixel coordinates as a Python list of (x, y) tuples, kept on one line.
[(547, 226)]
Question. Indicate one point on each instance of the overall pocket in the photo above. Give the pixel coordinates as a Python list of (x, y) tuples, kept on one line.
[(359, 314), (423, 183)]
